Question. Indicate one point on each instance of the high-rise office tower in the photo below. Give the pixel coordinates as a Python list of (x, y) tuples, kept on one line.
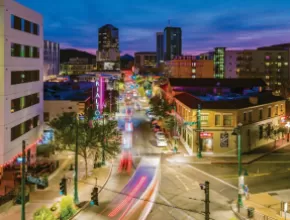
[(51, 59), (108, 55), (159, 47), (21, 81), (172, 42)]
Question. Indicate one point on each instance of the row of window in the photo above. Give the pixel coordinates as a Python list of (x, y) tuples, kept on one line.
[(19, 77), (248, 115), (24, 102), (18, 50), (24, 127), (24, 25)]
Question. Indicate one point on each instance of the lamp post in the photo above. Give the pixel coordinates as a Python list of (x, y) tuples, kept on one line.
[(103, 141), (237, 132), (199, 155), (287, 126), (76, 197)]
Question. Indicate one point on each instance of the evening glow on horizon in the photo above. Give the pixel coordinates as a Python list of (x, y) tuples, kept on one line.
[(233, 24)]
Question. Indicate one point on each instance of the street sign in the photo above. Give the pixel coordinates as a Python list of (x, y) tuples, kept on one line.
[(190, 123)]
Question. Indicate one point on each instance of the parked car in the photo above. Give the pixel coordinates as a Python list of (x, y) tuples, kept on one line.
[(159, 134), (161, 142)]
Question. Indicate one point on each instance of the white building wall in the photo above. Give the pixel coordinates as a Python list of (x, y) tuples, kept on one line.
[(8, 92)]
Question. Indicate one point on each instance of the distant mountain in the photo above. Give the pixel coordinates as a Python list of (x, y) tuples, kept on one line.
[(66, 54), (127, 57)]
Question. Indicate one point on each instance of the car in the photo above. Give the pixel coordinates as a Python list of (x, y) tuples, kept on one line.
[(156, 128), (159, 135), (137, 107), (161, 142)]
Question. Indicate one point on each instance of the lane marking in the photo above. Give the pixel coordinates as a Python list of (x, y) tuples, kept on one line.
[(186, 188), (211, 176)]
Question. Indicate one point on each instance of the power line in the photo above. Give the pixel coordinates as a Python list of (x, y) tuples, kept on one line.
[(154, 202)]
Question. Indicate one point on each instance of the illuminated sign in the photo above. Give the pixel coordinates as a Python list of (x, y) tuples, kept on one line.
[(206, 135), (99, 96)]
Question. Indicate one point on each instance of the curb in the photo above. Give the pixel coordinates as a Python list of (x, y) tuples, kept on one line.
[(87, 204), (237, 214)]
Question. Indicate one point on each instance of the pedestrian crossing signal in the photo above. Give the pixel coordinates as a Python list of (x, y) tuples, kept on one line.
[(62, 187), (95, 196)]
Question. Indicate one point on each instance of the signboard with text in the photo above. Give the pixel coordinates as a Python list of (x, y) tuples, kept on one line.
[(205, 135)]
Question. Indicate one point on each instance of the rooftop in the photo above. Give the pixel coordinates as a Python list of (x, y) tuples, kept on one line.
[(68, 91), (211, 82), (226, 103)]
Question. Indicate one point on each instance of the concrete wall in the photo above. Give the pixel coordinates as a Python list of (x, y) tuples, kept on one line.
[(8, 148)]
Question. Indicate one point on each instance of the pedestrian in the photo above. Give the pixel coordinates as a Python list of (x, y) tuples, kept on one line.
[(246, 191)]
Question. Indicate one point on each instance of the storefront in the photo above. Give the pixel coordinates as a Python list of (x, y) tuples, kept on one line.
[(207, 141)]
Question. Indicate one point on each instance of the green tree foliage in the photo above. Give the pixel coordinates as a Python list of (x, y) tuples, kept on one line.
[(67, 208), (141, 91), (89, 131), (160, 107), (43, 214), (273, 132)]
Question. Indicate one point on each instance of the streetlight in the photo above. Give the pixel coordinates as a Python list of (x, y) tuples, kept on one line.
[(237, 132), (287, 126)]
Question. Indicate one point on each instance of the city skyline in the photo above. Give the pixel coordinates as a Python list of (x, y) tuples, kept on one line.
[(234, 25)]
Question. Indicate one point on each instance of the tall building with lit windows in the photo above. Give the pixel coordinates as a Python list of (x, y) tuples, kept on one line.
[(219, 62), (159, 47), (108, 54), (21, 81), (172, 41)]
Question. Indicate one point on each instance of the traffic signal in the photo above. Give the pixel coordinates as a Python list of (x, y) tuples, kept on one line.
[(62, 187), (95, 196)]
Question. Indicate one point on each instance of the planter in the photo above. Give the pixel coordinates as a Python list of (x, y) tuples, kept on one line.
[(32, 187)]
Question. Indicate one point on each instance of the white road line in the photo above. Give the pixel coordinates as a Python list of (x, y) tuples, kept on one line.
[(181, 212), (187, 189), (211, 176)]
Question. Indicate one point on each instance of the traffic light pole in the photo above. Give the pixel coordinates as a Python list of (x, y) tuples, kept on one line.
[(76, 197), (206, 191), (23, 182), (198, 131)]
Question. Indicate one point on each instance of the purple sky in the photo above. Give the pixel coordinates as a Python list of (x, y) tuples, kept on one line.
[(205, 24)]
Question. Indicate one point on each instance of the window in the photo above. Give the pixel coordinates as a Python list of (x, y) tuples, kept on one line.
[(46, 116), (35, 52), (18, 77), (204, 119), (245, 116), (269, 112), (16, 22), (260, 132), (24, 102), (217, 120), (27, 26), (18, 50), (250, 116), (24, 127), (260, 114), (276, 109), (228, 120)]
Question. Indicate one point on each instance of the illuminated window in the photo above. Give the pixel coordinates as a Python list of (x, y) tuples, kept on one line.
[(267, 57), (267, 77), (204, 119), (279, 57), (279, 64), (228, 120), (193, 70), (267, 63), (286, 63), (218, 121)]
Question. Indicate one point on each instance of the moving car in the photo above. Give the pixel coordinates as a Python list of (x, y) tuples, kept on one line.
[(161, 142)]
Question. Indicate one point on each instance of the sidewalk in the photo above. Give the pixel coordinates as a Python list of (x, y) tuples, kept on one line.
[(248, 158), (265, 205), (50, 195)]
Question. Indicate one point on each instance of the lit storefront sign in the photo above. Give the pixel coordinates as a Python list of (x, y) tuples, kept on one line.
[(99, 96), (205, 135), (207, 141)]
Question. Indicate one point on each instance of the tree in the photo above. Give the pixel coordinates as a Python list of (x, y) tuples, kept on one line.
[(43, 214), (141, 91), (160, 107), (67, 208), (273, 132)]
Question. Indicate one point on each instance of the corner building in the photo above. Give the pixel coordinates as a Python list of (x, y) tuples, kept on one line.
[(21, 81)]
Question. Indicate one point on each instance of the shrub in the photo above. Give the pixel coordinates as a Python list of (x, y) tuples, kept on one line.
[(43, 214)]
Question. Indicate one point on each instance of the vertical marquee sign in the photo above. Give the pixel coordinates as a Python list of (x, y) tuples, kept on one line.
[(99, 97)]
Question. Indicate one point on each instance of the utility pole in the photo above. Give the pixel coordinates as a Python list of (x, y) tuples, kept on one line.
[(76, 197), (199, 155), (206, 191), (23, 182), (241, 178)]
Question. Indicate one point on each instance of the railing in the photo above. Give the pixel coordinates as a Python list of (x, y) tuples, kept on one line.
[(257, 215)]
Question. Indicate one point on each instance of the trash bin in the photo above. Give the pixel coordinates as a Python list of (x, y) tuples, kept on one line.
[(251, 212)]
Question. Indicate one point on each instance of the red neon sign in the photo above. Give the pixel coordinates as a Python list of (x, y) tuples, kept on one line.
[(206, 135)]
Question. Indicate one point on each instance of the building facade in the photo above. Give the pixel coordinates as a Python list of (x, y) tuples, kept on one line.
[(77, 66), (159, 47), (51, 66), (145, 59), (108, 54), (270, 65), (172, 41), (258, 115), (21, 94)]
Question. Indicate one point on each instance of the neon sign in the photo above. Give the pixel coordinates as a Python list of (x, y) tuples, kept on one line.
[(99, 97)]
